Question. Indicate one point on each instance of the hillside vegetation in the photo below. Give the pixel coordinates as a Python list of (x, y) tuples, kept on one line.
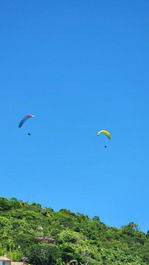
[(45, 237)]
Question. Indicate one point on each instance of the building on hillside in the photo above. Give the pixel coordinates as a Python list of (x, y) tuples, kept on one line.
[(45, 239), (4, 260)]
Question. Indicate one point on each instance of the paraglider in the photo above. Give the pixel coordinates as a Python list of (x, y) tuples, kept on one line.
[(25, 119), (105, 133)]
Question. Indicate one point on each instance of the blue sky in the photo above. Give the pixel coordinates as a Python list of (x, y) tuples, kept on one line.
[(80, 66)]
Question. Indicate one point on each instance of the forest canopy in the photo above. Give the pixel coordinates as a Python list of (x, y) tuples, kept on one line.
[(41, 236)]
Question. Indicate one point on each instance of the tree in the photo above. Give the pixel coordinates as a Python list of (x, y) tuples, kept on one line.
[(44, 255)]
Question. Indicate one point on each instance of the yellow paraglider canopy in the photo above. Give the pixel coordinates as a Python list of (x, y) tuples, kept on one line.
[(104, 132)]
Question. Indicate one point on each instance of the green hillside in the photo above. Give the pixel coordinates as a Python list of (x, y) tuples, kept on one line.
[(45, 237)]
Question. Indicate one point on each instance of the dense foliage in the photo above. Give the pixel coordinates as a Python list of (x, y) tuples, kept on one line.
[(46, 237)]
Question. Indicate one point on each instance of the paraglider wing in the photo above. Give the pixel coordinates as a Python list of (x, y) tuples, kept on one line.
[(104, 132), (25, 118)]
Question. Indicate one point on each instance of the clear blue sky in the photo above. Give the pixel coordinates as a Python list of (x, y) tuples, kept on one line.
[(80, 66)]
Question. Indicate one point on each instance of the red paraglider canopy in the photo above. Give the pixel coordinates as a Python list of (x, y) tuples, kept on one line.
[(25, 118)]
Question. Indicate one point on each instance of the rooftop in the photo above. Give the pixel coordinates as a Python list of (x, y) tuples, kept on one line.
[(4, 258)]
